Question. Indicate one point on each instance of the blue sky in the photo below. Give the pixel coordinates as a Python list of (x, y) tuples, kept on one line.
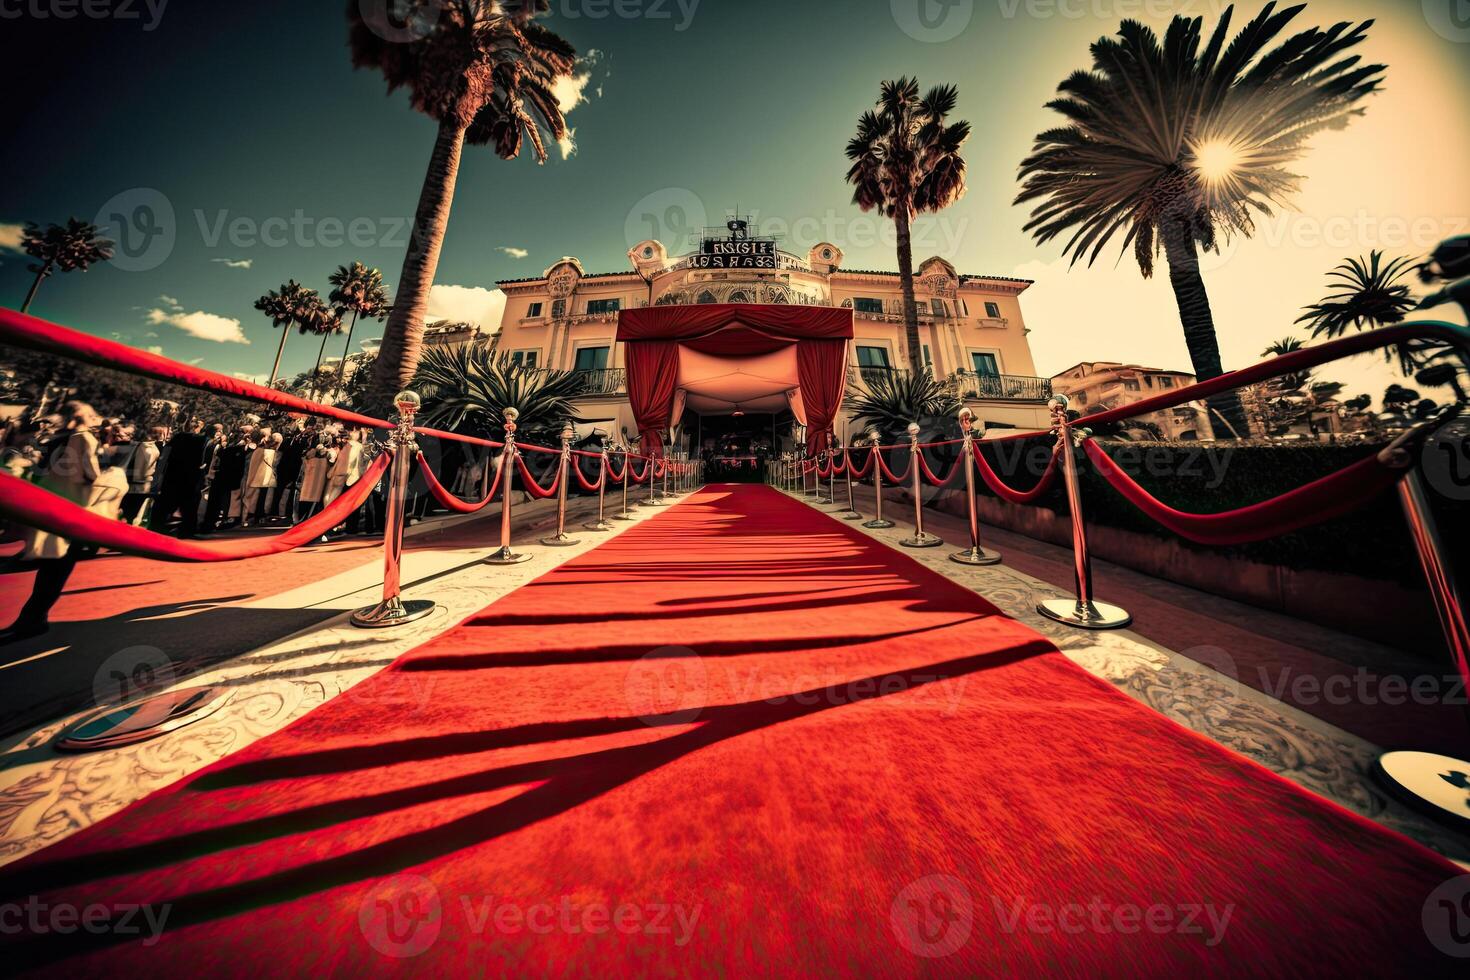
[(260, 154)]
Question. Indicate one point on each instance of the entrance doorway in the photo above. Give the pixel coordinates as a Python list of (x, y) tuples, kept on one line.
[(735, 447)]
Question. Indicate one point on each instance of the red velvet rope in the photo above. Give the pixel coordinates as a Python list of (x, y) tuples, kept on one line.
[(1312, 503), (531, 486), (587, 484), (929, 474), (449, 500), (616, 476), (34, 506), (860, 472), (1004, 492), (640, 477), (888, 474)]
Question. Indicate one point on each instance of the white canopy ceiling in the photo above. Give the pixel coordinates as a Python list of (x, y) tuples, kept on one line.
[(759, 383)]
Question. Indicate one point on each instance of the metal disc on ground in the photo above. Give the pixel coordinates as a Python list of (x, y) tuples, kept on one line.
[(141, 720)]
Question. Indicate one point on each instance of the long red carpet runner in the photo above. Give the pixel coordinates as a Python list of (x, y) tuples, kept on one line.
[(739, 738)]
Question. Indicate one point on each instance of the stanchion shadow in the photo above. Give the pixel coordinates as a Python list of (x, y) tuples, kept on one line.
[(560, 784)]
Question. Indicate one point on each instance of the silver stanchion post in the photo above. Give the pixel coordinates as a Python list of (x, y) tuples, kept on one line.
[(627, 479), (852, 511), (831, 470), (973, 555), (1085, 611), (394, 610), (653, 499), (601, 524), (1427, 778), (505, 556), (921, 537), (877, 523), (560, 538)]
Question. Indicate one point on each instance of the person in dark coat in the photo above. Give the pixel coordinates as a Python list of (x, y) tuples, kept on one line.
[(229, 473), (182, 482)]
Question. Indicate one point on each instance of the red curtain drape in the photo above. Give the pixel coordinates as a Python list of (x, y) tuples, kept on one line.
[(821, 370), (653, 376)]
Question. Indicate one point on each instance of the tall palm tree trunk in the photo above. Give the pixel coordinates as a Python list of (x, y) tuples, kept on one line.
[(342, 368), (280, 349), (1199, 323), (31, 293), (914, 352), (398, 357), (316, 372)]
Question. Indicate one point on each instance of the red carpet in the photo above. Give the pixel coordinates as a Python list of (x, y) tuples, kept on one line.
[(737, 739)]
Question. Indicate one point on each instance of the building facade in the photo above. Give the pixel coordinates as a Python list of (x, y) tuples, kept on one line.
[(970, 327), (1096, 386)]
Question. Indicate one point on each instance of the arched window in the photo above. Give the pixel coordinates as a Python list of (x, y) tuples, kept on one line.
[(740, 296), (705, 298), (777, 296)]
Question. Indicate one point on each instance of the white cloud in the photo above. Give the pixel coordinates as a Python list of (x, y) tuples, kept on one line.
[(466, 304), (10, 237), (170, 302), (253, 379), (205, 326), (154, 349), (235, 263), (571, 91), (513, 252), (568, 144)]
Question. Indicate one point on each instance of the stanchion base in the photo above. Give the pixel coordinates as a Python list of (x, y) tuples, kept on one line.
[(149, 717), (1098, 616), (506, 557), (879, 524), (394, 612), (598, 526), (851, 515), (559, 541), (976, 556), (624, 517), (923, 539), (1439, 785), (823, 500)]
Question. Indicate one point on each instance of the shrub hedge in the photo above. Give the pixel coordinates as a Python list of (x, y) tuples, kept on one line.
[(1203, 479)]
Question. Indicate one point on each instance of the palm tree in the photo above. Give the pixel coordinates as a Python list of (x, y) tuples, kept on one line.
[(284, 308), (466, 388), (1294, 381), (75, 245), (358, 290), (890, 400), (1176, 144), (485, 71), (323, 320), (906, 161), (1365, 294)]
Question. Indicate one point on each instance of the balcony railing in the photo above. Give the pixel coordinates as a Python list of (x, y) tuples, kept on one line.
[(972, 384), (1010, 387), (603, 381)]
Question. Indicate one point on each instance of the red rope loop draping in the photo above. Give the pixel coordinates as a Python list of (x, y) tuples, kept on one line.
[(839, 462), (1312, 503), (1004, 492), (34, 506), (536, 449), (614, 474), (460, 506), (639, 477), (585, 483), (859, 472), (929, 474), (888, 474), (824, 472), (531, 486)]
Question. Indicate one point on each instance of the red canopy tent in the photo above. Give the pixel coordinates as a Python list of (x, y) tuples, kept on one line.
[(730, 355)]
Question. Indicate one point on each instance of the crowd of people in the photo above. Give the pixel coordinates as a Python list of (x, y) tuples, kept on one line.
[(205, 477), (201, 480)]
